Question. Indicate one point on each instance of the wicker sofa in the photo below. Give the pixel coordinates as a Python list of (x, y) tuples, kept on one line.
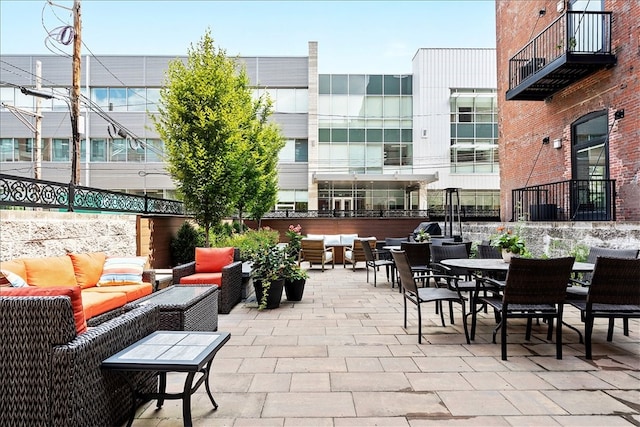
[(100, 302), (50, 375), (228, 277)]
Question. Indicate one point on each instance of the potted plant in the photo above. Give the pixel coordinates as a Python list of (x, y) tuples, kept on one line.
[(295, 278), (509, 243), (423, 236), (268, 275), (294, 234)]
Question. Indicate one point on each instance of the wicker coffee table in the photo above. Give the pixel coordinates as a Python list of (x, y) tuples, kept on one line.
[(184, 308)]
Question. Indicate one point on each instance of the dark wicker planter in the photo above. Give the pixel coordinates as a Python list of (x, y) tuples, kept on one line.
[(294, 289), (275, 292)]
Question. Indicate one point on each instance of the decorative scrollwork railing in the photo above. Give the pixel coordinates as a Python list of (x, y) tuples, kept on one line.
[(37, 193)]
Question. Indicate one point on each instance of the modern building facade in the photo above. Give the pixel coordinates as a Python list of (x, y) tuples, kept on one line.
[(569, 108), (354, 142)]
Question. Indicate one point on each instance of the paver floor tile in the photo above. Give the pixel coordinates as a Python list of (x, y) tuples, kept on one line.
[(442, 364), (270, 382), (572, 380), (464, 421), (371, 421), (433, 381), (533, 403), (593, 421), (380, 381), (586, 402), (393, 404), (358, 350), (520, 380), (363, 364), (488, 402), (310, 382), (486, 381), (532, 421), (398, 364), (308, 405)]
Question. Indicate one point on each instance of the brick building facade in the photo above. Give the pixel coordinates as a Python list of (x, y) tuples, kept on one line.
[(541, 141)]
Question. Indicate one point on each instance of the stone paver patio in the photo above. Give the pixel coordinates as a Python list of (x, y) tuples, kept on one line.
[(340, 357)]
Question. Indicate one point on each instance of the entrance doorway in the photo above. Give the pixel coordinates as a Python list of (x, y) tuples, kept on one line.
[(342, 206)]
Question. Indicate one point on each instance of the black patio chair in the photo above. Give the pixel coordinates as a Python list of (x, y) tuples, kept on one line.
[(419, 295), (374, 263), (614, 292), (534, 288), (466, 281)]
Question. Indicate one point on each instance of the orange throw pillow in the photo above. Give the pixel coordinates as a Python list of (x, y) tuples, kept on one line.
[(212, 260), (73, 292), (88, 268), (50, 271)]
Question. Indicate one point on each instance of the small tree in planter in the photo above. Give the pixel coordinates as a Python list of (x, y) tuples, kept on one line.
[(268, 272)]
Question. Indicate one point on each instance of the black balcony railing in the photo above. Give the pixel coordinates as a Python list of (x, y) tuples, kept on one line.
[(573, 200), (573, 46), (37, 193), (434, 214)]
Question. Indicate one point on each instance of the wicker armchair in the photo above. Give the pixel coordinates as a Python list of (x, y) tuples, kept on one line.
[(49, 376), (230, 289), (614, 293)]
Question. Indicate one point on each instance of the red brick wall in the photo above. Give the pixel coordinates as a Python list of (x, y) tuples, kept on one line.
[(524, 160)]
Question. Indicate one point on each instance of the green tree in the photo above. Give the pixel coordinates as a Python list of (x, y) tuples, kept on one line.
[(205, 118), (260, 174)]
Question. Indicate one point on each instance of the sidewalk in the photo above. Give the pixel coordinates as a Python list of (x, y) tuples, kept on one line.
[(341, 357)]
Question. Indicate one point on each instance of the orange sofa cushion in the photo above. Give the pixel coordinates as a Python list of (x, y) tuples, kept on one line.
[(15, 266), (213, 260), (88, 268), (133, 292), (73, 292), (50, 271), (202, 279), (96, 303)]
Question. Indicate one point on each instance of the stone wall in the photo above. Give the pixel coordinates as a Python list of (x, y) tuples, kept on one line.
[(34, 234), (559, 238)]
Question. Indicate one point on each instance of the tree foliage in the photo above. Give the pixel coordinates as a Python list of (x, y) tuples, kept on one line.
[(215, 133)]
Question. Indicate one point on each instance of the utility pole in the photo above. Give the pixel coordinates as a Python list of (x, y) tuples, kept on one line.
[(75, 96), (37, 152)]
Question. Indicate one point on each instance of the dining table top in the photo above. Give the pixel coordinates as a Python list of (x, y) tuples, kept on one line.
[(497, 264)]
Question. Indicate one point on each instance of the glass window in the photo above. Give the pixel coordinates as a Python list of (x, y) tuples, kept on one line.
[(302, 150), (302, 100), (118, 150), (391, 154), (100, 96), (357, 84), (484, 130), (117, 99), (153, 99), (7, 150), (357, 158), (373, 107), (406, 85), (61, 150), (339, 135), (391, 85), (374, 85), (135, 151), (136, 100), (155, 150), (465, 131), (339, 110), (25, 149), (392, 106), (288, 152), (356, 135), (324, 84), (98, 150), (324, 135), (406, 135), (392, 135), (406, 107), (374, 135), (339, 84), (375, 155), (286, 101), (7, 95)]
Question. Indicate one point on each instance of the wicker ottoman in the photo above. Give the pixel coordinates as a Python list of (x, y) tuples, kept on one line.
[(184, 308)]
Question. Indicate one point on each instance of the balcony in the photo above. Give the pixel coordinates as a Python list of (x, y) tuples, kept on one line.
[(572, 47), (572, 200)]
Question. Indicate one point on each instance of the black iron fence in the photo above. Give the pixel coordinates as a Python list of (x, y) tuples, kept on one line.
[(437, 213), (36, 193), (572, 200)]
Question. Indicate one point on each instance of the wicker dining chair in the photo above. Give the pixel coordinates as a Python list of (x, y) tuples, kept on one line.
[(614, 292), (419, 295), (534, 289)]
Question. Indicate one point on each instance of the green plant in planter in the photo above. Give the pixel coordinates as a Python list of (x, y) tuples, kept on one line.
[(269, 263)]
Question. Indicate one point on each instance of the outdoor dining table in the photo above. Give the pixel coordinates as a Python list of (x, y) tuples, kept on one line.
[(490, 265)]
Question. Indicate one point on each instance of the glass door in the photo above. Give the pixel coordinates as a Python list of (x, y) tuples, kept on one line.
[(342, 206)]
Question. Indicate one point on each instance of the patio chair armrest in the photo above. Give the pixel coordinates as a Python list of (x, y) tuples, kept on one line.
[(183, 270), (230, 290)]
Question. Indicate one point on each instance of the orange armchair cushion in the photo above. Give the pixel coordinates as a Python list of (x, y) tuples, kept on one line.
[(213, 260), (202, 279), (88, 268), (50, 271), (73, 292)]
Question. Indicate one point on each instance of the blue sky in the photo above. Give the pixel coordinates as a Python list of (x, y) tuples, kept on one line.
[(352, 36)]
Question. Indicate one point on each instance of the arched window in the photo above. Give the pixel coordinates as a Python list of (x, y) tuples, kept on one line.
[(591, 192)]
